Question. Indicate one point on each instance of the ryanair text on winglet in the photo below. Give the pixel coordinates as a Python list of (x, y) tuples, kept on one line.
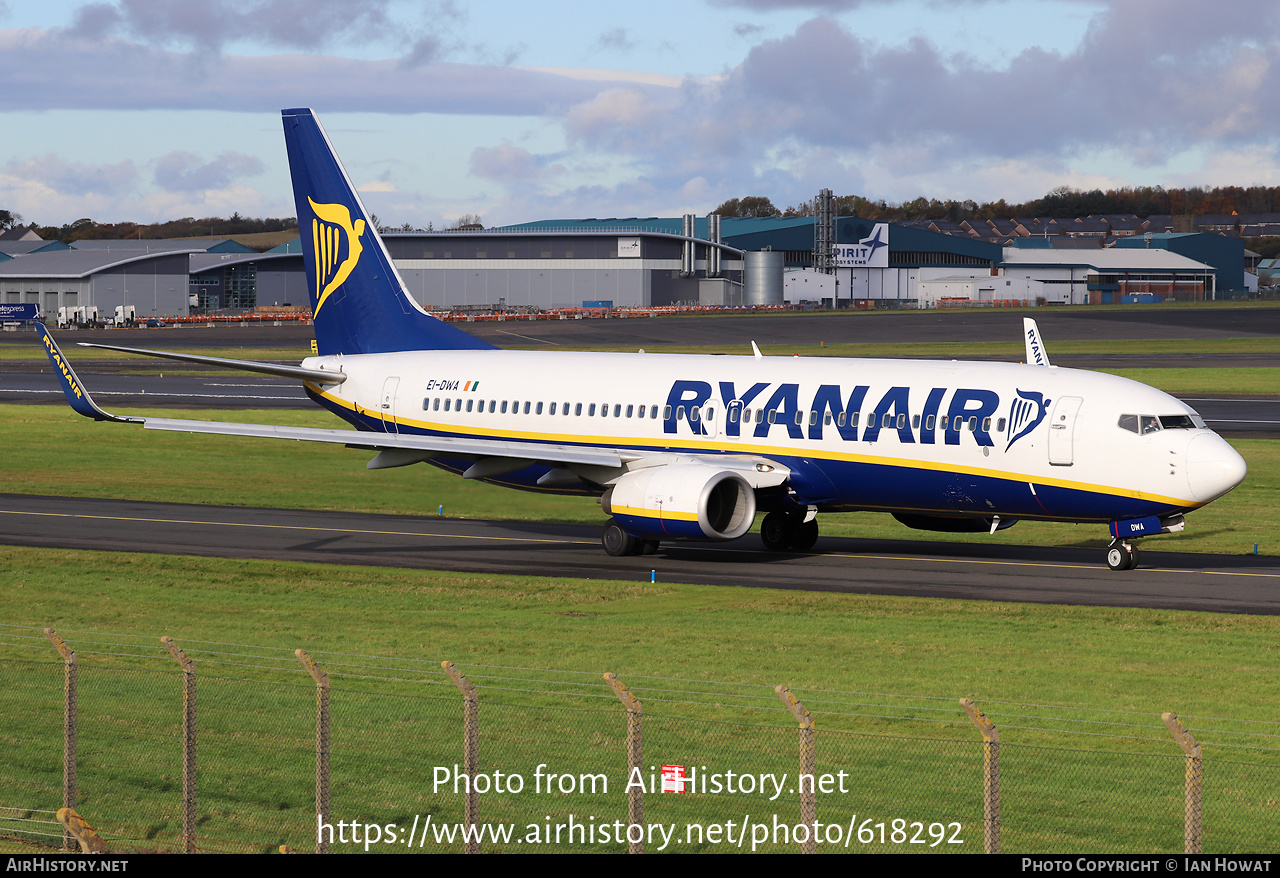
[(56, 356)]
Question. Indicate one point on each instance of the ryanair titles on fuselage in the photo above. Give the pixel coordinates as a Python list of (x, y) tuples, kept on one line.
[(967, 410)]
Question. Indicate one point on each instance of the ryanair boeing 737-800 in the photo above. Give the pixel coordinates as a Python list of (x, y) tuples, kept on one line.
[(691, 447)]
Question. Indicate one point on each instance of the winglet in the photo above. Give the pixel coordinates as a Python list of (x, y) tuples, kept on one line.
[(76, 393), (755, 350), (1036, 355)]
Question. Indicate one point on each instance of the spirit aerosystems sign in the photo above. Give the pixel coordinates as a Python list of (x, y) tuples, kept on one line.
[(871, 252)]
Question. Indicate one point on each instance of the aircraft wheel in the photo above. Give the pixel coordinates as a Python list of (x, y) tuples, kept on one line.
[(806, 535), (1121, 557), (777, 531), (618, 542)]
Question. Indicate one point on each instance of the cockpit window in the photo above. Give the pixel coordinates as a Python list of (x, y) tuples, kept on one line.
[(1147, 424)]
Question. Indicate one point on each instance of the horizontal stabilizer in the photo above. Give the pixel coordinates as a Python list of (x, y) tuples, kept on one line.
[(316, 376)]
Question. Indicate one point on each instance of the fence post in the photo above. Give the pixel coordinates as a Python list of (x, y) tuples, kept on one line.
[(70, 678), (808, 800), (470, 752), (990, 777), (322, 747), (188, 744), (1195, 776), (635, 750)]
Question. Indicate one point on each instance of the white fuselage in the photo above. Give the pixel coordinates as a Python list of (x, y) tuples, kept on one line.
[(1032, 441)]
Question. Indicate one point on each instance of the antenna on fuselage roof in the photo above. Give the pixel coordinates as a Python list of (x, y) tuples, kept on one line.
[(755, 350), (1036, 355)]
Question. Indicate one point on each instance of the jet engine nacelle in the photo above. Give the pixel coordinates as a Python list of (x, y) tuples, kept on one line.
[(690, 501)]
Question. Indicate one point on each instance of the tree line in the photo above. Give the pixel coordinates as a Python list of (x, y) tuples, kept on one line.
[(1063, 202), (188, 227)]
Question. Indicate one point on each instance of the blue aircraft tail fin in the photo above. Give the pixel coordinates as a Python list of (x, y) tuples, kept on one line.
[(357, 297)]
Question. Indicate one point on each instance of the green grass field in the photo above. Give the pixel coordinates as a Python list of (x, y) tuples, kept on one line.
[(1076, 691)]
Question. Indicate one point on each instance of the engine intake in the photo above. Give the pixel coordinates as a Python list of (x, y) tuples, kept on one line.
[(689, 501)]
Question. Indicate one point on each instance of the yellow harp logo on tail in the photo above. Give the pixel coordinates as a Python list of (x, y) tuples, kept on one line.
[(330, 227)]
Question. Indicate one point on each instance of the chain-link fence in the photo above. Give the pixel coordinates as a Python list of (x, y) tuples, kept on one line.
[(224, 747)]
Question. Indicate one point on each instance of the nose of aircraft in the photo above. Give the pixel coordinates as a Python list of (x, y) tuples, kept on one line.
[(1213, 467)]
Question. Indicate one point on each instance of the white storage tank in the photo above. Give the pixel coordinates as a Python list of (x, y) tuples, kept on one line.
[(762, 284)]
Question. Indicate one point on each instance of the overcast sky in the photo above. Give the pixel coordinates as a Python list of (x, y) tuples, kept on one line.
[(158, 109)]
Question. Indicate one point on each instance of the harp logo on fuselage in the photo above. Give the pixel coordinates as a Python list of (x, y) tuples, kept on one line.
[(336, 240)]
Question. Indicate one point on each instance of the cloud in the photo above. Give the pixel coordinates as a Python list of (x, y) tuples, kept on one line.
[(74, 178), (210, 24), (46, 70), (183, 172), (505, 162), (614, 40), (808, 5), (1150, 79), (383, 183)]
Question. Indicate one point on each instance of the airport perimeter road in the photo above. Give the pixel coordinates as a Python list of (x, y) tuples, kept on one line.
[(1214, 583), (908, 327)]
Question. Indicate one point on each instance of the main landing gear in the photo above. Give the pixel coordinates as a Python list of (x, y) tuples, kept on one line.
[(1121, 556), (783, 531), (618, 542)]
